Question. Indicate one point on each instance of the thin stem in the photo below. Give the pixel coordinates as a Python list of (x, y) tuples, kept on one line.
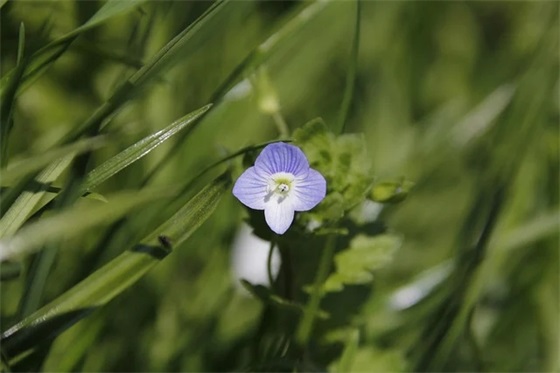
[(350, 74), (269, 264), (281, 124), (306, 325)]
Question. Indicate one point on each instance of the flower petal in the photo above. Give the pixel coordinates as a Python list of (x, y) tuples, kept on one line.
[(251, 189), (279, 215), (309, 191), (281, 157)]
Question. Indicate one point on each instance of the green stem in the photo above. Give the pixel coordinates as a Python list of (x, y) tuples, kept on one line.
[(306, 324), (351, 74), (269, 264), (281, 124)]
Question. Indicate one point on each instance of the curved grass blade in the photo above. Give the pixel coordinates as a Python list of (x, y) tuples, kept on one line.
[(71, 223), (8, 97), (22, 207), (49, 54), (259, 56), (17, 170), (113, 278), (166, 56), (139, 150)]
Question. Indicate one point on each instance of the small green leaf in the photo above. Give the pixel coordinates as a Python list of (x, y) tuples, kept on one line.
[(139, 150), (115, 277), (365, 254)]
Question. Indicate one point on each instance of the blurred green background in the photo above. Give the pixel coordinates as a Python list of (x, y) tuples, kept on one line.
[(462, 98)]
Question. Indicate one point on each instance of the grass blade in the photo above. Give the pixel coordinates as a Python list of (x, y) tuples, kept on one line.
[(119, 274), (8, 96), (16, 170), (139, 150), (49, 54), (70, 223), (25, 203)]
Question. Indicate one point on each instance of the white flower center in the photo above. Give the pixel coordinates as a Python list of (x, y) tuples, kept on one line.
[(283, 188), (279, 186)]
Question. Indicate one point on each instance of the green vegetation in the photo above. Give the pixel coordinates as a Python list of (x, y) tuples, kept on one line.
[(123, 125)]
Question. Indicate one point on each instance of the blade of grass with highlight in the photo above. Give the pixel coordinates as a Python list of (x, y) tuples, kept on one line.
[(115, 277), (70, 223), (163, 60), (17, 170), (258, 57), (22, 207), (139, 150)]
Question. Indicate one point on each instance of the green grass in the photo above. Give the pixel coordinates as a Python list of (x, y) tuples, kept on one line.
[(124, 124)]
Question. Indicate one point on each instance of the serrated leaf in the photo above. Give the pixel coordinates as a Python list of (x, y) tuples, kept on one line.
[(139, 150), (343, 162), (113, 278), (354, 265)]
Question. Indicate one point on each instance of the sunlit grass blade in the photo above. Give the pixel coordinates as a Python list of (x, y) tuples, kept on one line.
[(167, 56), (70, 223), (261, 54), (22, 207), (18, 169), (139, 150), (119, 274)]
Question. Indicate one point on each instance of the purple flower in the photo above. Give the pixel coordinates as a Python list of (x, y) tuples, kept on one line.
[(280, 183)]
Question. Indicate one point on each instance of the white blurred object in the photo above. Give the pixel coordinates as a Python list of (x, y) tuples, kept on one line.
[(409, 295), (249, 257)]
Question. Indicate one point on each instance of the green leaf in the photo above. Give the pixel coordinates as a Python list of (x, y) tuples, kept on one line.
[(18, 169), (113, 278), (71, 223), (365, 254), (22, 207), (139, 150), (343, 161)]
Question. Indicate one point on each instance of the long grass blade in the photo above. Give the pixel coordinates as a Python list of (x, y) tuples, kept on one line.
[(139, 150), (70, 223), (118, 275), (17, 170), (22, 207)]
